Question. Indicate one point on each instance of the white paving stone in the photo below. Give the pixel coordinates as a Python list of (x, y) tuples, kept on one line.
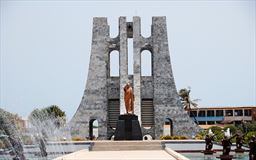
[(118, 155)]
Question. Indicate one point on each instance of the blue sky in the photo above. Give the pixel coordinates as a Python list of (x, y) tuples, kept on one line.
[(45, 49)]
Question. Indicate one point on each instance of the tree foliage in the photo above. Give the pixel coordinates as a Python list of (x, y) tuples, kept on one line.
[(13, 119), (249, 127), (56, 111), (186, 100), (215, 129), (52, 112), (219, 132)]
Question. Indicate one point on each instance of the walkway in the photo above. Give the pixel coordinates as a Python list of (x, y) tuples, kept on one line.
[(125, 150), (118, 155)]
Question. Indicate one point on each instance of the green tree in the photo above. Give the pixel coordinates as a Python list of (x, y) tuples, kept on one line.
[(249, 135), (247, 126), (215, 129), (52, 112), (56, 111), (58, 114), (250, 126)]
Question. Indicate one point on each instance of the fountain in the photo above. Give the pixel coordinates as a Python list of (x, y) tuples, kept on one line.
[(227, 133), (47, 131), (46, 137), (11, 135)]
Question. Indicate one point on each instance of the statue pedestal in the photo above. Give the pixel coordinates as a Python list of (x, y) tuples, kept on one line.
[(225, 157), (208, 152), (128, 128), (239, 150)]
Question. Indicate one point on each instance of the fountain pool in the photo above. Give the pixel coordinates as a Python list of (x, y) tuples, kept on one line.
[(192, 150)]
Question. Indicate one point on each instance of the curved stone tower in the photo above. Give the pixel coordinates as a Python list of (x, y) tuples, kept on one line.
[(156, 98)]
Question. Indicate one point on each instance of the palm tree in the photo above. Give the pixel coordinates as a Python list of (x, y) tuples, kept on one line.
[(188, 104), (186, 100)]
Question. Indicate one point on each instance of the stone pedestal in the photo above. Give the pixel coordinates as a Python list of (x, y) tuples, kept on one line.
[(128, 128), (239, 150), (208, 152), (225, 157)]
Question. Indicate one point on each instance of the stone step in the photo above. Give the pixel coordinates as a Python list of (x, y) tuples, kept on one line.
[(128, 143), (125, 145), (125, 148)]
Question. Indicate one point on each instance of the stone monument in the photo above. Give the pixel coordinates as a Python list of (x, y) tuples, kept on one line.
[(155, 97)]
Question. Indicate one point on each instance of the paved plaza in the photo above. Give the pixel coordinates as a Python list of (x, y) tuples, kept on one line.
[(118, 155)]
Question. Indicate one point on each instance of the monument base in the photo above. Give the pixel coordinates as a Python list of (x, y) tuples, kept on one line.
[(128, 128)]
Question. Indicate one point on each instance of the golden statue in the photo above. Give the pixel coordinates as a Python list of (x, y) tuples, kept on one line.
[(128, 99)]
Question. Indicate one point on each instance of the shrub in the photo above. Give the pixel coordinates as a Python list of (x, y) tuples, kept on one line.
[(251, 126), (183, 137), (215, 129), (218, 132), (168, 137), (248, 136), (219, 136), (201, 135), (78, 139), (247, 126)]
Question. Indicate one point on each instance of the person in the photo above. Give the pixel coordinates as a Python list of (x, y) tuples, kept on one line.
[(129, 99), (252, 146), (208, 142)]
